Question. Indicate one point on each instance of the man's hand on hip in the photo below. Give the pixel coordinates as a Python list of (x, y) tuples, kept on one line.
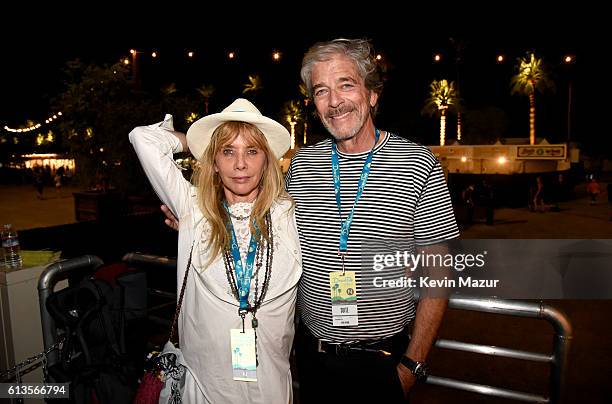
[(406, 377)]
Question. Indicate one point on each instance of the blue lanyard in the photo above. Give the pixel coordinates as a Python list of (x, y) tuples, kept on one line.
[(243, 275), (365, 172)]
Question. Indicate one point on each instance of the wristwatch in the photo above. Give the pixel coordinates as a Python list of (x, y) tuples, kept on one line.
[(420, 370)]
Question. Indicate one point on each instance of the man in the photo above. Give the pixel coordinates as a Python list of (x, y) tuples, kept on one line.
[(362, 186), (404, 196)]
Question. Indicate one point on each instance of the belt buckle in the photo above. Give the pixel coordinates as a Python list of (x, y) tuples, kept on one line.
[(339, 349), (342, 349)]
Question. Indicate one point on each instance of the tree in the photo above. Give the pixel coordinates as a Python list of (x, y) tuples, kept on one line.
[(442, 96), (293, 114), (531, 76), (459, 46), (100, 107), (206, 91), (254, 86), (306, 101), (169, 89)]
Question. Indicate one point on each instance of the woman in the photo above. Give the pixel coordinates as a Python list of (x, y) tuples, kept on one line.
[(239, 221)]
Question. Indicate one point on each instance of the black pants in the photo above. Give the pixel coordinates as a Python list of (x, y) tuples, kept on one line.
[(356, 377)]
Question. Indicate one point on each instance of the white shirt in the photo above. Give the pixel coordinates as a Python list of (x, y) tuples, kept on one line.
[(209, 309)]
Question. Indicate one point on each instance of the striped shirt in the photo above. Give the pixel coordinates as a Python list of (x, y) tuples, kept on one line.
[(405, 200)]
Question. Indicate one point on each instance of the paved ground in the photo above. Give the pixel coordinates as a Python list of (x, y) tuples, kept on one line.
[(577, 219), (20, 206), (591, 354), (590, 359)]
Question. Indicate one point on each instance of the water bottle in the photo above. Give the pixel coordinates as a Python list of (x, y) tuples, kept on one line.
[(10, 245)]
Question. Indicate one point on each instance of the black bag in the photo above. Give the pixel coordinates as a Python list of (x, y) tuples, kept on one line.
[(94, 316)]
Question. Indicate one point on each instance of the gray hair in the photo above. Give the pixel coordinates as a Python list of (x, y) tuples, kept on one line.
[(358, 50)]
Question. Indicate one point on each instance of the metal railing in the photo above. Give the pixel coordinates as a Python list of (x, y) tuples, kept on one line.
[(557, 360), (139, 259), (155, 261), (46, 283)]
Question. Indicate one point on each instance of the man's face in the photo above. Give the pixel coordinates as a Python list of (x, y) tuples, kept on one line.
[(343, 102)]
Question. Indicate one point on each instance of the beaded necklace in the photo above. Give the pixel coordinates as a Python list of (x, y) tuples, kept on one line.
[(259, 295)]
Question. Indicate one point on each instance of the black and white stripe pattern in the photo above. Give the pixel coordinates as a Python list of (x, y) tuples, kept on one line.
[(405, 199)]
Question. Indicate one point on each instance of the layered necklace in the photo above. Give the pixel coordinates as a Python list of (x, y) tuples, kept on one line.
[(260, 244)]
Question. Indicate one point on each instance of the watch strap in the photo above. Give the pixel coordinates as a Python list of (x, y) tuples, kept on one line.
[(418, 369)]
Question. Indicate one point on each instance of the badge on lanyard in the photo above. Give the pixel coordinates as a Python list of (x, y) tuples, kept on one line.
[(343, 284), (244, 358), (243, 341), (343, 289)]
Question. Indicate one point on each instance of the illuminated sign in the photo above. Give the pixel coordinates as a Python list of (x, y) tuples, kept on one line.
[(541, 152)]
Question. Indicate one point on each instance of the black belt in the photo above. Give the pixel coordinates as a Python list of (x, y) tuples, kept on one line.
[(383, 347), (347, 348)]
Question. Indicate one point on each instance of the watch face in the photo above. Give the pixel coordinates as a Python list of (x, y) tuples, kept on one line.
[(418, 369), (421, 371)]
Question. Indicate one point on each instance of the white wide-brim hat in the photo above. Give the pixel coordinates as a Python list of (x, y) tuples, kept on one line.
[(200, 133)]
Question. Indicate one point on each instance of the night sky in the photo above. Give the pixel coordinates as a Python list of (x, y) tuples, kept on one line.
[(35, 54)]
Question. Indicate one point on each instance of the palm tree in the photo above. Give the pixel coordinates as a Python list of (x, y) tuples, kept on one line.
[(306, 100), (459, 46), (292, 111), (206, 91), (442, 96), (169, 89), (531, 76), (253, 86)]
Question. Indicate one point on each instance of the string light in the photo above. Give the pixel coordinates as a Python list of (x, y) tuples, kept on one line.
[(35, 126), (231, 55)]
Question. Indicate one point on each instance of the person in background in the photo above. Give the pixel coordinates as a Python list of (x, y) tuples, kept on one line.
[(538, 197), (593, 189), (57, 180), (39, 182)]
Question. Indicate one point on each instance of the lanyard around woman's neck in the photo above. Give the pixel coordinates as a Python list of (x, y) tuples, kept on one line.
[(243, 273)]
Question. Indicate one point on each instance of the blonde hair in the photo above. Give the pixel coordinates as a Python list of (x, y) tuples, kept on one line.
[(210, 192)]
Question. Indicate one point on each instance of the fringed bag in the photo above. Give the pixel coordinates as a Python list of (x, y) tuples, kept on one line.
[(168, 378)]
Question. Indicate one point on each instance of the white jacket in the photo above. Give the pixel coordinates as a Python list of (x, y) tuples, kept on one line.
[(209, 310)]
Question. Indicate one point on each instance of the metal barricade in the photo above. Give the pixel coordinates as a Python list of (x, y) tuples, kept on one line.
[(557, 360), (46, 282)]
